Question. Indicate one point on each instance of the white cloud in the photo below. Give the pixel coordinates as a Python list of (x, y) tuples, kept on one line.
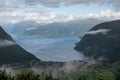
[(107, 14), (5, 43), (95, 32), (42, 16), (14, 11), (52, 15), (70, 17), (31, 28)]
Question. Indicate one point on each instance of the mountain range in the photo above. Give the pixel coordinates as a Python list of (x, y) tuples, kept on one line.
[(70, 28)]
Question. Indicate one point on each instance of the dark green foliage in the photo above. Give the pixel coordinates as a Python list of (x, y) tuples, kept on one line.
[(5, 76), (107, 45), (12, 53), (50, 77), (89, 74), (27, 76)]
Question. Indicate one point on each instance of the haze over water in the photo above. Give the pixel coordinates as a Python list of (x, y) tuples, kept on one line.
[(51, 48)]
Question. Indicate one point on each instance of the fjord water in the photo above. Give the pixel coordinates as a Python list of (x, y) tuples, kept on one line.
[(60, 48)]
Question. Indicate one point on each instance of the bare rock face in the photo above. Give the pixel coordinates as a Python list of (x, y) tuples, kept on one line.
[(11, 52), (103, 40)]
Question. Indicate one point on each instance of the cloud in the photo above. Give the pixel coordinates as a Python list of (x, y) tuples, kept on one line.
[(54, 3), (70, 17), (31, 28), (17, 15), (31, 14), (95, 32), (41, 16), (57, 3), (105, 15), (10, 4), (5, 43), (14, 11), (52, 14), (71, 66), (115, 4)]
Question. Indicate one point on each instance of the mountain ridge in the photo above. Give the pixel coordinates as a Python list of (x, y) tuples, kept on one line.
[(70, 28), (11, 52), (102, 41)]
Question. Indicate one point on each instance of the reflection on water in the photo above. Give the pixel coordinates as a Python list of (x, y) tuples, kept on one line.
[(51, 48)]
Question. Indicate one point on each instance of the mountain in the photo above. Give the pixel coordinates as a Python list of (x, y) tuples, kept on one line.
[(103, 40), (11, 52), (70, 28), (23, 26)]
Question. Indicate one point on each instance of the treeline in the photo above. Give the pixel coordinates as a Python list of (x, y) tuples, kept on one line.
[(100, 71), (28, 75)]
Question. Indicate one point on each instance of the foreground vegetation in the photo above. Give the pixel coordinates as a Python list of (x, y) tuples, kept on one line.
[(25, 76), (100, 71), (103, 75)]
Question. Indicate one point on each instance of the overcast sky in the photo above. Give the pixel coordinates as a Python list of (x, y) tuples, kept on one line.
[(45, 11)]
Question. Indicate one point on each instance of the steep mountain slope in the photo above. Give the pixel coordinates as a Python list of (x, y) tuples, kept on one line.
[(11, 52), (102, 40)]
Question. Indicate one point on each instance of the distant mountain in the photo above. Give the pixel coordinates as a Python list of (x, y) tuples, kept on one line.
[(74, 28), (103, 40), (11, 52)]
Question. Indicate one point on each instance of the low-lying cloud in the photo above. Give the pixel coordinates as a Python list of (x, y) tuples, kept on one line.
[(5, 43), (95, 32)]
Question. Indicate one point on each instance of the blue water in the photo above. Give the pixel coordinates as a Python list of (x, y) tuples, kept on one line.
[(51, 48)]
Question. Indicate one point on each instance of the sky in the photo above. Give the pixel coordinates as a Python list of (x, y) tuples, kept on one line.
[(47, 11)]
